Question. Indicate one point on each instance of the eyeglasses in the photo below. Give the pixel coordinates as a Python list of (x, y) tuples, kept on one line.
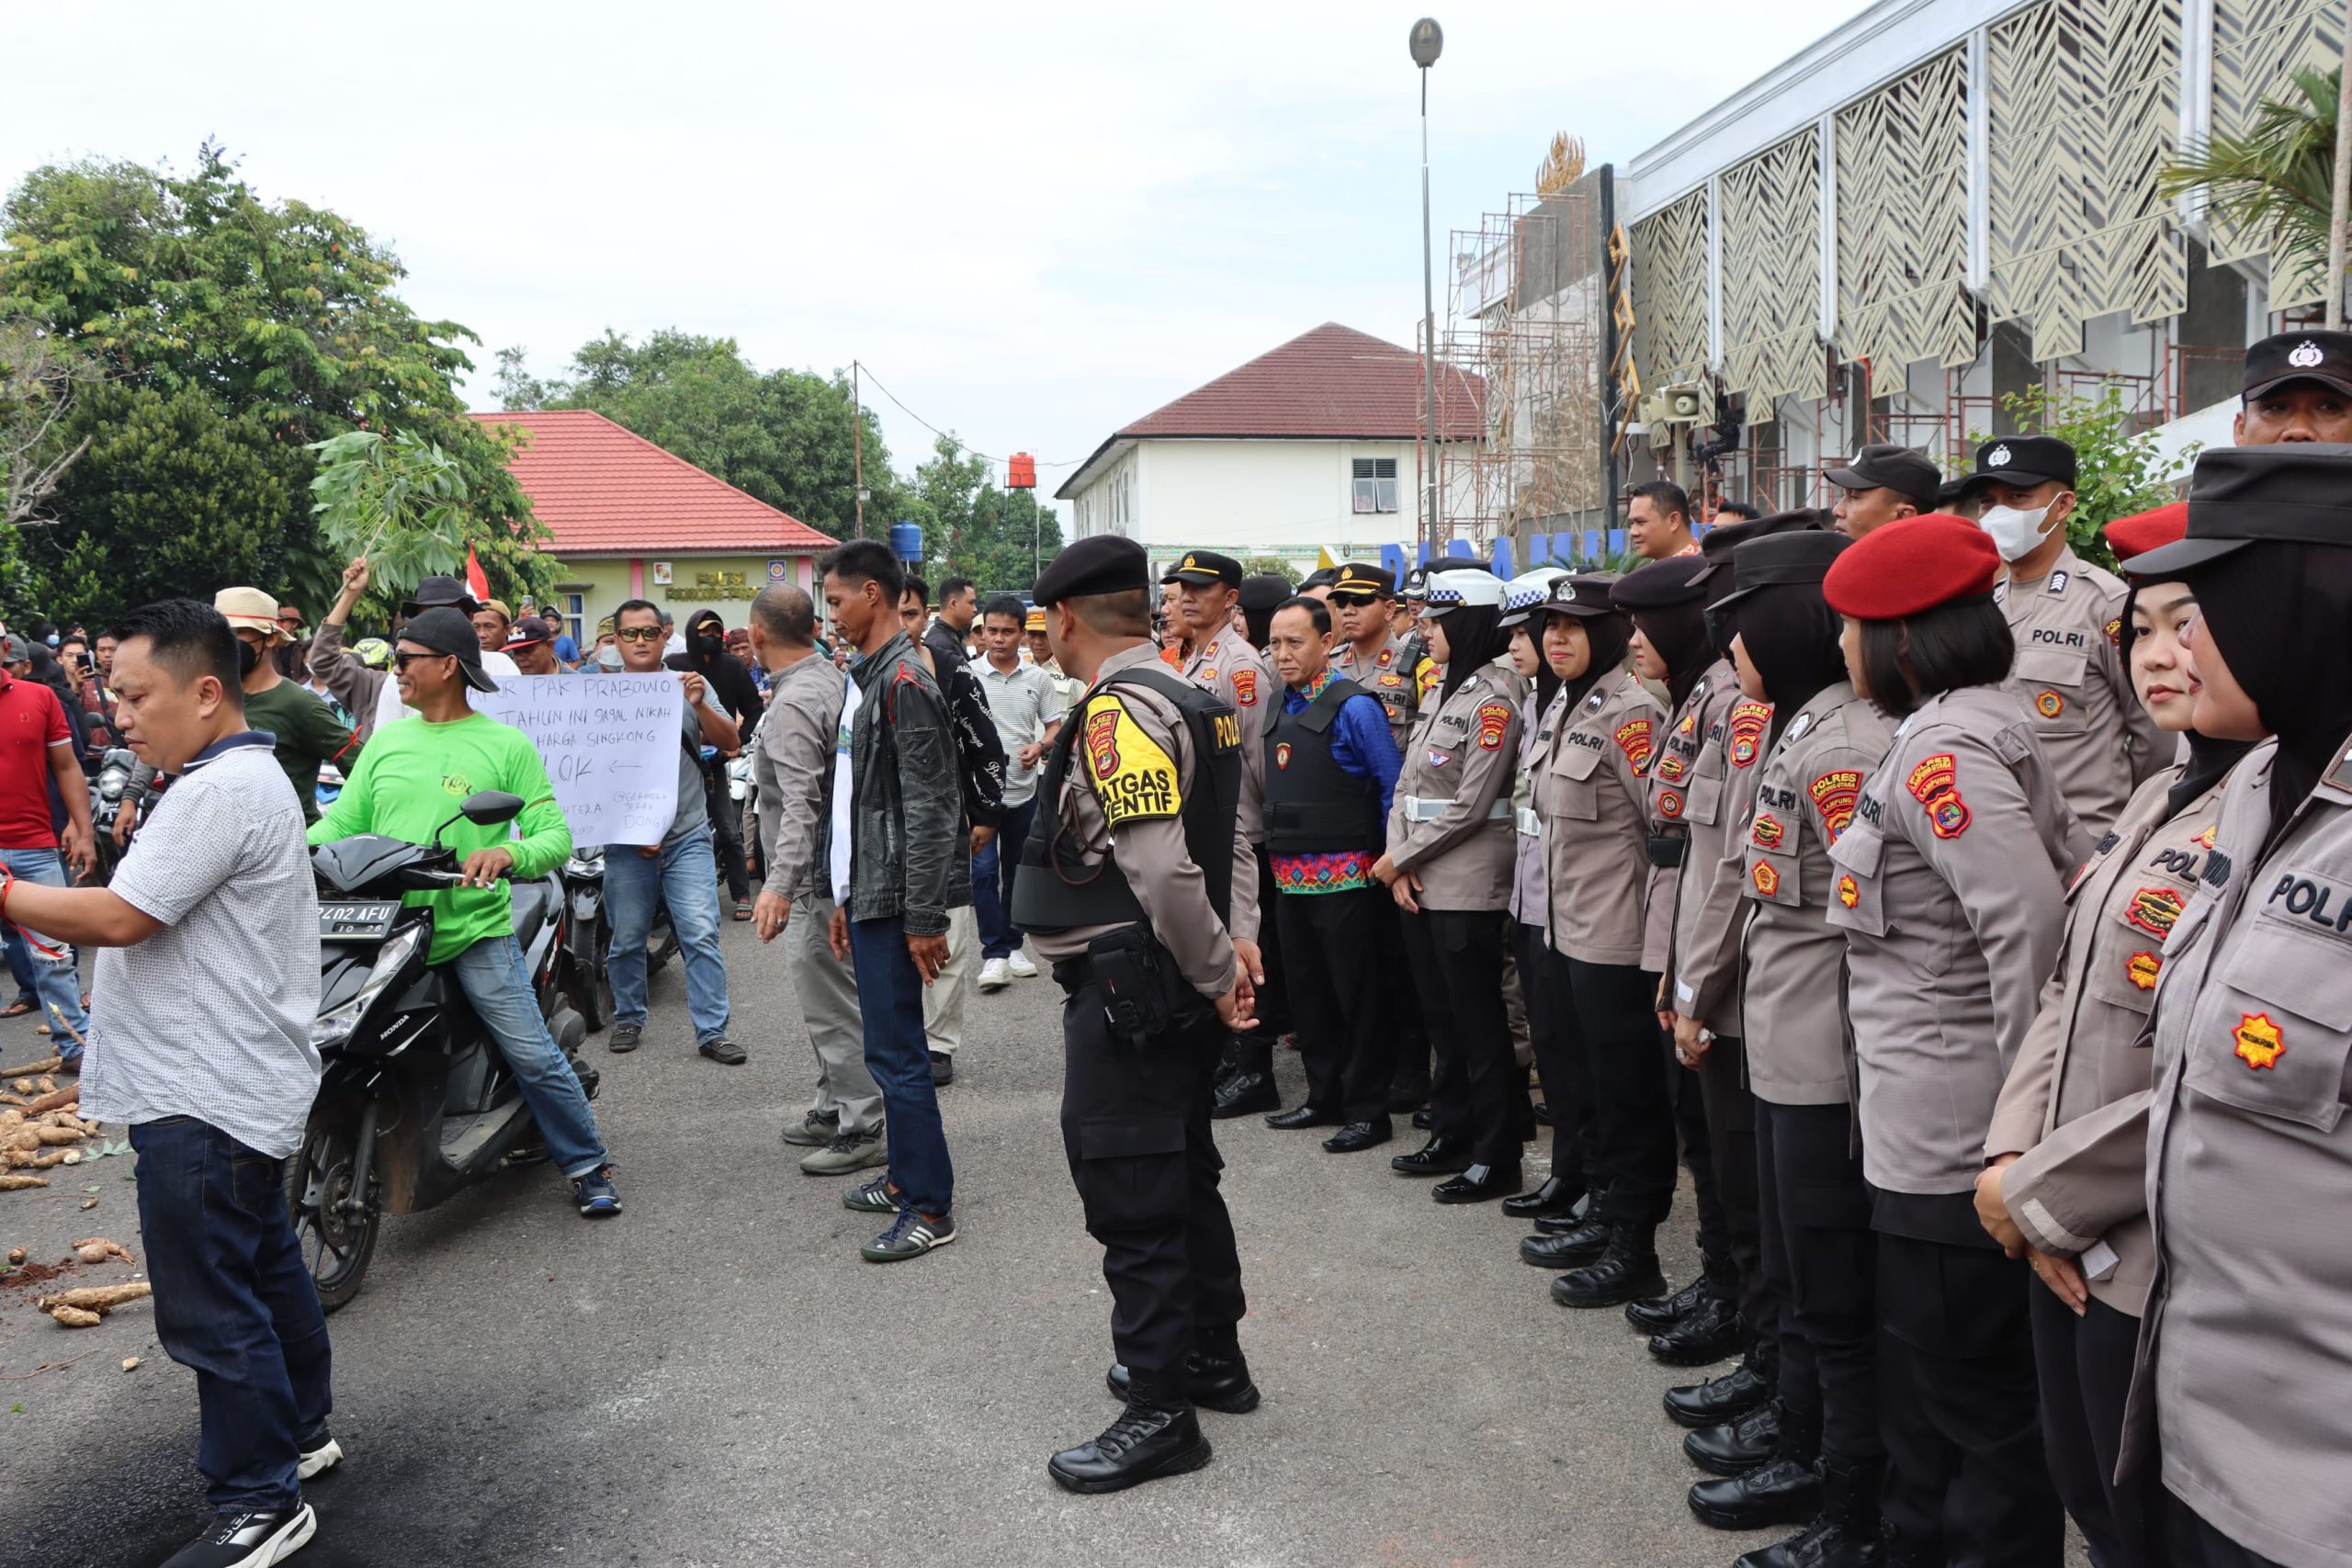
[(639, 634), (404, 659)]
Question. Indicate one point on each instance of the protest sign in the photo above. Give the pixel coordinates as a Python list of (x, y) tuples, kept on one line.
[(610, 743)]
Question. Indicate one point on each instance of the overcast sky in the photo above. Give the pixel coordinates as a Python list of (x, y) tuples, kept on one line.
[(1034, 223)]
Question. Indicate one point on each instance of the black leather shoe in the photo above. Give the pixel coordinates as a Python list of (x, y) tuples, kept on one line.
[(1657, 1316), (1149, 1440), (1736, 1446), (1786, 1490), (1555, 1197), (1215, 1383), (1243, 1093), (1584, 1211), (1357, 1137), (1627, 1271), (1439, 1156), (1717, 1400), (1423, 1119), (1543, 1113), (1714, 1333), (1573, 1250), (1480, 1184), (1301, 1116)]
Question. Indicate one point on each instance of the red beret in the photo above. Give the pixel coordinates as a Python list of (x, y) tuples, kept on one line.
[(1900, 568), (2128, 536)]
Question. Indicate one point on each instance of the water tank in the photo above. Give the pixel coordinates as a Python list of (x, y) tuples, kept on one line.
[(906, 541)]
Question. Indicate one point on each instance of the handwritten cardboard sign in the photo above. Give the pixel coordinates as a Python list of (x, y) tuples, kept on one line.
[(610, 743)]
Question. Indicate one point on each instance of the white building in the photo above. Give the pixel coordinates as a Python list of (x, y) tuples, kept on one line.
[(1309, 446)]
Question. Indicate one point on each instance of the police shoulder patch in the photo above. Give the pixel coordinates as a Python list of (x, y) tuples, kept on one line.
[(1245, 687), (1748, 722), (1767, 831), (1634, 739), (1935, 784), (1834, 793), (1133, 774), (1494, 720)]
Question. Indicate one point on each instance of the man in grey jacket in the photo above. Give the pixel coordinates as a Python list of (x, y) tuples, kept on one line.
[(801, 764), (907, 866)]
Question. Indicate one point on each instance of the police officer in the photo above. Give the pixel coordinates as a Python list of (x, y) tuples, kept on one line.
[(1220, 659), (1884, 483), (2298, 387), (2239, 1389), (1814, 1208), (1394, 670), (1951, 886), (2067, 1171), (2067, 617), (1128, 882), (1448, 868)]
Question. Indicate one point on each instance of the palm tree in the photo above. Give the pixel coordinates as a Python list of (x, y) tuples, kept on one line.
[(2275, 182)]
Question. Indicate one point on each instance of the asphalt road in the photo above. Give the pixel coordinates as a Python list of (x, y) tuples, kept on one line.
[(716, 1378)]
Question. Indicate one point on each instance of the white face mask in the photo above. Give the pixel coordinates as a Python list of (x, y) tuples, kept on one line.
[(2015, 533)]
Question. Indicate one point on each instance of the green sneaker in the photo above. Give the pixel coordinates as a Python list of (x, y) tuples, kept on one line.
[(909, 1235), (813, 1130), (846, 1153), (874, 1197)]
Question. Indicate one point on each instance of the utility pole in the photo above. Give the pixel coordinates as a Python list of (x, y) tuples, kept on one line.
[(1427, 39), (2340, 195), (857, 444)]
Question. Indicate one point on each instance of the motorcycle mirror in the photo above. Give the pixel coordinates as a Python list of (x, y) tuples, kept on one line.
[(490, 807)]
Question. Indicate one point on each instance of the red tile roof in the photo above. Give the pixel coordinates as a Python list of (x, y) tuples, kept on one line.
[(604, 490), (1333, 383)]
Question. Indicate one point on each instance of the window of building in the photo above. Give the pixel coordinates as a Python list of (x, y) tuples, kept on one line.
[(1375, 484), (569, 609)]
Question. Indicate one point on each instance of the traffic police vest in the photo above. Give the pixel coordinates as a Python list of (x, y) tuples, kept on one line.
[(1313, 804), (1057, 892)]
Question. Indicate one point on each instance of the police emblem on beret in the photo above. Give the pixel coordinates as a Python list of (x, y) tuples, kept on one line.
[(1998, 458), (2306, 355)]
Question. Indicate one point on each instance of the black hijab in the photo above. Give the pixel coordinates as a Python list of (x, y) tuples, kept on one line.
[(1791, 636), (1608, 636), (1472, 641), (2208, 759), (1545, 683), (2277, 609), (1678, 633)]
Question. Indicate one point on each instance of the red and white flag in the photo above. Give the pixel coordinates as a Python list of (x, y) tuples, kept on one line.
[(476, 582)]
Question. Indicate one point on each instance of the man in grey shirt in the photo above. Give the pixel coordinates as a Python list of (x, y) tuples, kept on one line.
[(207, 984), (1026, 704), (801, 766)]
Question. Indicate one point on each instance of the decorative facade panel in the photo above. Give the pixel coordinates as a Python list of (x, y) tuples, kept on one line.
[(1902, 164), (1671, 292), (2258, 47), (2083, 111), (1768, 211)]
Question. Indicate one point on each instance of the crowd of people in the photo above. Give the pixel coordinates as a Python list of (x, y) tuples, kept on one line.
[(1962, 915)]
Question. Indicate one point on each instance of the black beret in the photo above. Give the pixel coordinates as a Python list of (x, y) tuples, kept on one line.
[(1677, 579), (1200, 568), (1106, 563), (1782, 558), (2238, 495), (1265, 590), (2023, 461)]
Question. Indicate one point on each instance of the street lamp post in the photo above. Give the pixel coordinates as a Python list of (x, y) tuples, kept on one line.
[(1427, 40)]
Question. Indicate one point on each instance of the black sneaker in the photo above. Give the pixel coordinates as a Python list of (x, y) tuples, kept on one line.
[(320, 1453), (595, 1194), (909, 1235), (626, 1037), (873, 1197), (943, 1069), (723, 1051), (245, 1539)]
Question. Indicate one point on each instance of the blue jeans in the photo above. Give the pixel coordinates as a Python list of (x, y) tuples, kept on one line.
[(56, 983), (234, 1302), (889, 994), (491, 972), (992, 870), (685, 877)]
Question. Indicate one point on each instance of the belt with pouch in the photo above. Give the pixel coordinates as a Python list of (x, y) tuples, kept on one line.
[(1530, 825), (1142, 993), (1429, 808), (1666, 849)]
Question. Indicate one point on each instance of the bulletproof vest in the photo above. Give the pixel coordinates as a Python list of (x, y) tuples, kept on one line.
[(1313, 804), (1056, 892)]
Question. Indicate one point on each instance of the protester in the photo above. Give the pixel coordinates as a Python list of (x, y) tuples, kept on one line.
[(371, 696), (208, 977), (1027, 707), (946, 637), (306, 733), (494, 623), (37, 757), (530, 643), (731, 689), (680, 872)]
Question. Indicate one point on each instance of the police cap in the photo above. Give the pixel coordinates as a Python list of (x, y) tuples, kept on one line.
[(1677, 579), (1359, 581), (2241, 494), (1105, 563), (2321, 356), (1417, 584), (2023, 461), (1200, 568), (1523, 594), (1579, 593), (1463, 589), (1715, 546), (1780, 558)]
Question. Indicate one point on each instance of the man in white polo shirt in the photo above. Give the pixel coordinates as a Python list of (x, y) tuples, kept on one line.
[(207, 983), (1026, 704)]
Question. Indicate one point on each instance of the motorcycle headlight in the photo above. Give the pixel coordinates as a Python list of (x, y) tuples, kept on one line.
[(587, 858), (110, 787), (329, 1028)]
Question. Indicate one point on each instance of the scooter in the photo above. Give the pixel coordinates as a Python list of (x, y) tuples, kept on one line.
[(590, 977), (109, 782), (417, 1102)]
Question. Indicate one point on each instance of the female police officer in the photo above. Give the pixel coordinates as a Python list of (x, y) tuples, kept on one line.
[(1950, 885)]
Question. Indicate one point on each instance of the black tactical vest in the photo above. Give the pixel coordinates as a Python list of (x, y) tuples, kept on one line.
[(1313, 804), (1055, 892)]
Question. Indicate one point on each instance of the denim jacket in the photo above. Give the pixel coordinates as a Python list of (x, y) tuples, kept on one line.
[(910, 853)]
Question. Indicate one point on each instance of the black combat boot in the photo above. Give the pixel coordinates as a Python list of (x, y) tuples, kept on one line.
[(1845, 1533), (1249, 1087), (1726, 1398), (1214, 1380), (1714, 1333), (1736, 1446), (1566, 1250), (1784, 1490), (1625, 1273), (1659, 1316), (1157, 1435)]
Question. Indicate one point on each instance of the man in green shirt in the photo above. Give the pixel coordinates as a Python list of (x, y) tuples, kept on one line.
[(307, 732), (409, 782)]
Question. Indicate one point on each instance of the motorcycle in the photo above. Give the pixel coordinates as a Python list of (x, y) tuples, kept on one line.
[(586, 937), (417, 1102), (109, 782)]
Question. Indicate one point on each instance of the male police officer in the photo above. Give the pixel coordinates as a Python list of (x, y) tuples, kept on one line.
[(1884, 483), (1396, 669), (2298, 387), (1133, 869), (2067, 618)]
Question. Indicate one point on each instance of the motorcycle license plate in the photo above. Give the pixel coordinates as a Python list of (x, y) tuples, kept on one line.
[(367, 921)]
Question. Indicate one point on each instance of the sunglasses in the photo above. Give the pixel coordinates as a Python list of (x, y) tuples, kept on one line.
[(639, 634), (405, 660)]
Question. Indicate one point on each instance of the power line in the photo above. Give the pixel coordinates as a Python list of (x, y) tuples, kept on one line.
[(961, 444)]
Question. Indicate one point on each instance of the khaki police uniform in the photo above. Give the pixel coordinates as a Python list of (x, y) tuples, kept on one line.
[(1950, 884), (2245, 1359), (1227, 665), (2102, 743), (1450, 826), (1398, 675)]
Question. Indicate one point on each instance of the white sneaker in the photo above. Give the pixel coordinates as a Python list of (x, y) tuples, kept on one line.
[(1020, 967), (993, 977)]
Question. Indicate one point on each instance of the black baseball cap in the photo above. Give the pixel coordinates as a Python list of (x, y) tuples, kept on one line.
[(445, 629), (1200, 568), (528, 630), (2321, 356), (1106, 563), (440, 590), (2241, 495), (1886, 466), (2022, 460), (1780, 558), (1357, 579)]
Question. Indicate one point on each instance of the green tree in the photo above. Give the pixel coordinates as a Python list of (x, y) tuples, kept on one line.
[(2276, 181), (2118, 471), (996, 537), (283, 320), (786, 437)]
